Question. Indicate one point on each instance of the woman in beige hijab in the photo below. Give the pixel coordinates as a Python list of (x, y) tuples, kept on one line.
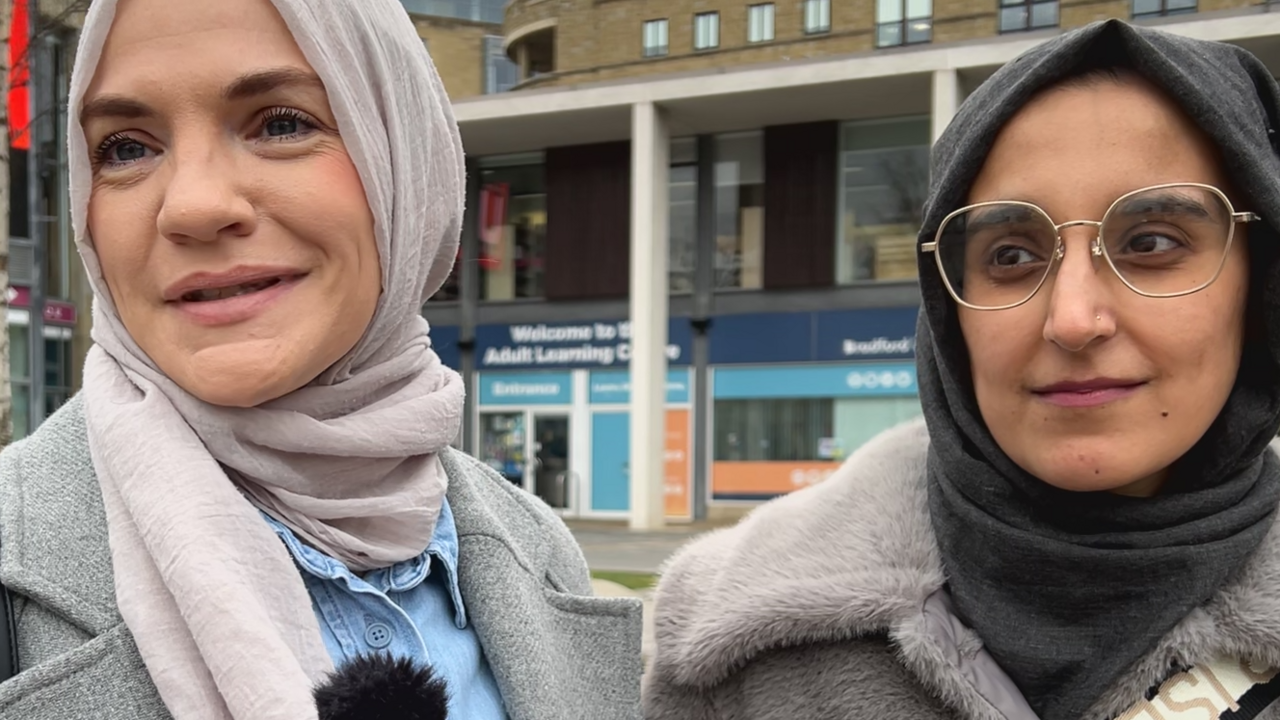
[(255, 486)]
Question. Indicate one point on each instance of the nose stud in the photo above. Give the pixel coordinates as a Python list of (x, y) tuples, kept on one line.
[(1099, 318)]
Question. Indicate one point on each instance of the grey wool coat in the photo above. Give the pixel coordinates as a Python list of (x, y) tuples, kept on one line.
[(557, 652), (826, 604)]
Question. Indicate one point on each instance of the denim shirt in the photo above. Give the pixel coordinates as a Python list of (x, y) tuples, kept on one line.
[(413, 609)]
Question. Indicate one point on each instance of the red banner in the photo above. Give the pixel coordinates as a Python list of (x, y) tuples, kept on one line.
[(19, 100), (494, 199)]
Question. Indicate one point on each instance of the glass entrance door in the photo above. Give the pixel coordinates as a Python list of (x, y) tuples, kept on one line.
[(553, 481), (502, 444)]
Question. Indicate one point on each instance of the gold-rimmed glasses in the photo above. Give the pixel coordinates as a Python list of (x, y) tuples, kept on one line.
[(1161, 241)]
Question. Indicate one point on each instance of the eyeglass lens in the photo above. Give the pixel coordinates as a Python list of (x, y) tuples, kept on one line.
[(1162, 241)]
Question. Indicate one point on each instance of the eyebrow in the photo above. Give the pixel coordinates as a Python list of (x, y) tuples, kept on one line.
[(249, 85), (261, 82), (1166, 202)]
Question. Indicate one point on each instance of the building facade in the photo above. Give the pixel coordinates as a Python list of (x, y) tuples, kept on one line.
[(737, 189), (465, 40), (44, 268)]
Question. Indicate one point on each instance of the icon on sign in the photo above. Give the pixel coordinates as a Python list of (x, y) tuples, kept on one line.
[(11, 294)]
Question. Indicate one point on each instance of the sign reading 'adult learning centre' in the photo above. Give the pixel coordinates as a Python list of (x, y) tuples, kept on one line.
[(586, 344)]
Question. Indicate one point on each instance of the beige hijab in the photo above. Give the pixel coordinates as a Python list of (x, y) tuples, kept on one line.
[(212, 598)]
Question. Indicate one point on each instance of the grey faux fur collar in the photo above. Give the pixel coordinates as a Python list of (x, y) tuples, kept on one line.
[(856, 555)]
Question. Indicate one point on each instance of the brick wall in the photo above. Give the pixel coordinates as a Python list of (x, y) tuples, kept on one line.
[(457, 48), (600, 40)]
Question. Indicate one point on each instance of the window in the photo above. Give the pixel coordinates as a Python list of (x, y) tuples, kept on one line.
[(739, 172), (58, 360), (486, 11), (884, 176), (1162, 8), (903, 22), (1027, 14), (817, 16), (655, 38), (771, 430), (512, 226), (782, 429), (683, 215), (760, 23), (500, 74), (706, 31)]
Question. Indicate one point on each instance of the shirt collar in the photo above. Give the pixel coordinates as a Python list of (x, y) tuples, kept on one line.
[(402, 576)]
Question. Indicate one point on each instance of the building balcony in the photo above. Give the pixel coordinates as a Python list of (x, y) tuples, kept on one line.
[(530, 30)]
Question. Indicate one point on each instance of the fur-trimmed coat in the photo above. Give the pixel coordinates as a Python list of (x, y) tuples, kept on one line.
[(827, 604)]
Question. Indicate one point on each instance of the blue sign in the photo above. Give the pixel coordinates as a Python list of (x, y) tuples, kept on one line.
[(444, 340), (526, 388), (873, 334), (614, 387), (831, 335), (599, 344), (817, 381)]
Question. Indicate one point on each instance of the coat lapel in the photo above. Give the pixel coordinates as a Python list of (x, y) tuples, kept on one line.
[(53, 531), (555, 651)]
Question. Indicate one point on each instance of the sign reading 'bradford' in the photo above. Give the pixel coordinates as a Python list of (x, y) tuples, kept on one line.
[(586, 344)]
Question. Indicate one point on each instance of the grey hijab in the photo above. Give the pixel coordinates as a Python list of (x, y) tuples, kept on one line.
[(350, 462), (1067, 590)]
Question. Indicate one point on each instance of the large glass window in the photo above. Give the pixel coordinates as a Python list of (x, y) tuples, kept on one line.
[(803, 429), (760, 23), (500, 74), (512, 226), (57, 370), (683, 215), (739, 173), (817, 16), (903, 22), (771, 430), (1018, 15), (1162, 8), (20, 378), (655, 38), (884, 175), (58, 362), (706, 31), (486, 11)]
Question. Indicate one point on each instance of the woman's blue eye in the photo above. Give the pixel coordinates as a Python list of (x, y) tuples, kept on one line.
[(285, 124), (120, 150), (282, 127), (129, 151)]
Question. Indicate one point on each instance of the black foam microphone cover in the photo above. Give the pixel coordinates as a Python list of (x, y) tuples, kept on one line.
[(379, 687)]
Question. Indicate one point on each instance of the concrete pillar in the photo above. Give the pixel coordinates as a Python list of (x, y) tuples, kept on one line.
[(946, 98), (650, 148), (522, 60)]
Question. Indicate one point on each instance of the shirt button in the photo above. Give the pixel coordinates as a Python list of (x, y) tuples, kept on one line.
[(377, 635)]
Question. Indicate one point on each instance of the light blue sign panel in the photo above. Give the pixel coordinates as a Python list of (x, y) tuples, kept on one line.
[(614, 386), (610, 455), (526, 388), (817, 381)]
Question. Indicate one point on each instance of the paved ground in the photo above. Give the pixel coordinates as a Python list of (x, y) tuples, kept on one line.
[(611, 546)]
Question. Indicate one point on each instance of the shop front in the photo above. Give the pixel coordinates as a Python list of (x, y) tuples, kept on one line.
[(788, 410), (552, 416)]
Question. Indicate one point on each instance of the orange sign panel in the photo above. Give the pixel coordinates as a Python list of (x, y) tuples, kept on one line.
[(675, 475), (764, 479)]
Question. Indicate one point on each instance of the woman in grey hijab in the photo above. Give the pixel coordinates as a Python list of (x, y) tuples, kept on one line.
[(1082, 526), (256, 486)]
